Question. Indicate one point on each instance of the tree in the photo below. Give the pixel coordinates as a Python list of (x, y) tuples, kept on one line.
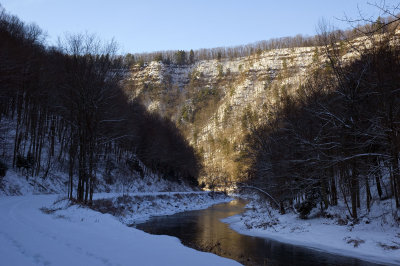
[(219, 55), (337, 134), (67, 108), (191, 57), (158, 58), (180, 57), (91, 87)]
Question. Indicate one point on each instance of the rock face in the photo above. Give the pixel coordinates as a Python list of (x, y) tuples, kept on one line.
[(215, 103)]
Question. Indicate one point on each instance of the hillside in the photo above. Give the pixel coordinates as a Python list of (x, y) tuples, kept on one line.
[(216, 102), (66, 124)]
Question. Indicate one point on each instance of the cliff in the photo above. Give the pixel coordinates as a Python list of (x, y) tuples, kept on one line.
[(216, 102)]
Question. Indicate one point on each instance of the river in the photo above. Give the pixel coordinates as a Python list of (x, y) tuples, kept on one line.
[(203, 230)]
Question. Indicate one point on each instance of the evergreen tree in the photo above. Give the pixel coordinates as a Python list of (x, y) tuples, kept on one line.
[(180, 57), (191, 57)]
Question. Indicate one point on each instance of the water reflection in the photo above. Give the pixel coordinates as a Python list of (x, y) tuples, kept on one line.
[(204, 231)]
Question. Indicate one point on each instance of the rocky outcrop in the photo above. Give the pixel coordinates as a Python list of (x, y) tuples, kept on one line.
[(215, 102)]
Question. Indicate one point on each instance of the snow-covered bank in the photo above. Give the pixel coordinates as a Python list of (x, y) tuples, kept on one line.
[(134, 208), (80, 236), (56, 182), (373, 240)]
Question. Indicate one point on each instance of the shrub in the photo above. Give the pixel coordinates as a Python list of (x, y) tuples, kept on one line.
[(305, 208), (25, 162), (3, 169), (133, 165)]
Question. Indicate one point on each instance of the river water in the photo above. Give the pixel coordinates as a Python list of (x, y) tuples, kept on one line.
[(203, 230)]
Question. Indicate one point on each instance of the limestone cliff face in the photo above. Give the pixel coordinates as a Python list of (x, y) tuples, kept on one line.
[(215, 102)]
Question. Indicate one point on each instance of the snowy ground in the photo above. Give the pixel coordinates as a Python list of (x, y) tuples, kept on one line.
[(35, 231), (80, 236), (134, 208), (15, 183), (375, 239)]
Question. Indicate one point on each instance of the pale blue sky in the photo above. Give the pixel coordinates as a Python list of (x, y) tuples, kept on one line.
[(150, 25)]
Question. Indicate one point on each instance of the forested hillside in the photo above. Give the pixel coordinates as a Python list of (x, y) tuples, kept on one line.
[(305, 124), (337, 137), (62, 109), (215, 101)]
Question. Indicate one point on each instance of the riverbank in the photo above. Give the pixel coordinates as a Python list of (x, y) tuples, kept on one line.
[(375, 239), (136, 208), (34, 231)]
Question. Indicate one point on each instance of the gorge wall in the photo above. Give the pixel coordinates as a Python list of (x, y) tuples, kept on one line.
[(215, 102)]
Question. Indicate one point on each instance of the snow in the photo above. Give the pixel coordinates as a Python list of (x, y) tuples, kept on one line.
[(374, 239), (80, 236), (15, 183), (119, 177), (64, 234), (134, 208)]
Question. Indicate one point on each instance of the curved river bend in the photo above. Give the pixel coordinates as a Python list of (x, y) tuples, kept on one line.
[(204, 231)]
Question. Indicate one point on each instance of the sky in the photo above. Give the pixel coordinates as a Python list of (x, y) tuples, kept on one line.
[(150, 25)]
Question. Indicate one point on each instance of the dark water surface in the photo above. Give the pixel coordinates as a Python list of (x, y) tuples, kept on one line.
[(204, 231)]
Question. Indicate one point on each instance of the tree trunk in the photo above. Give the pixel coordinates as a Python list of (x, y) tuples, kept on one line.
[(324, 194), (368, 192), (353, 192), (378, 184), (396, 178), (333, 191)]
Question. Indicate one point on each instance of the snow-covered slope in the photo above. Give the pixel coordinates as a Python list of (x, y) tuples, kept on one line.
[(376, 238), (14, 183), (111, 176), (80, 236)]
